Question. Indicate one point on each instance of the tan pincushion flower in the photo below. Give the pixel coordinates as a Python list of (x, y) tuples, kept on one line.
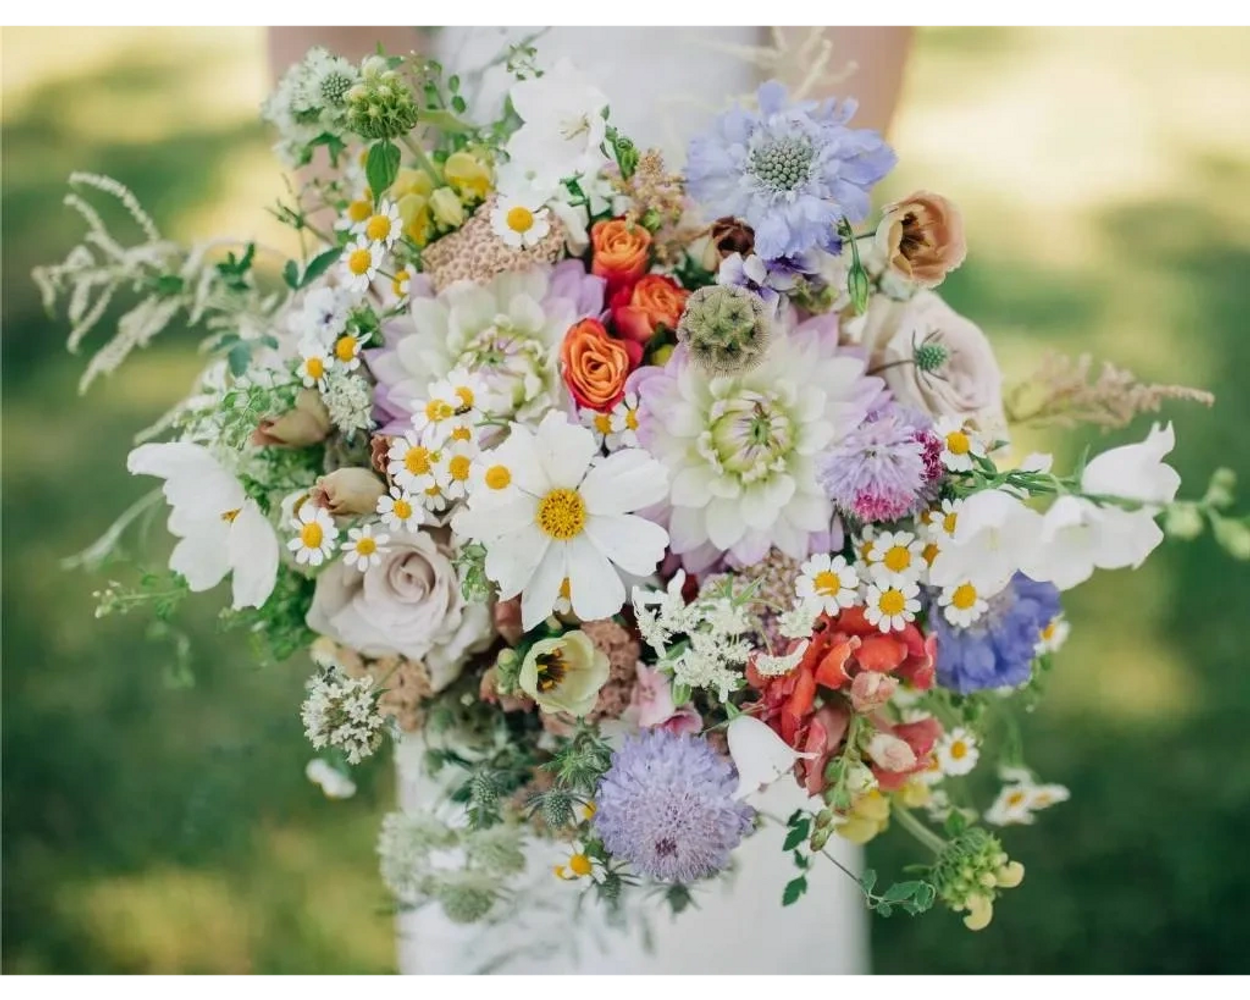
[(474, 252), (921, 238)]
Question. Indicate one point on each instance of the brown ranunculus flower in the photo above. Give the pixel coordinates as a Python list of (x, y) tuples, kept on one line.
[(595, 366), (731, 236), (620, 254), (921, 238)]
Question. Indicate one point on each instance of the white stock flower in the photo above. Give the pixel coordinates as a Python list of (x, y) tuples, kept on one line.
[(759, 755), (221, 530)]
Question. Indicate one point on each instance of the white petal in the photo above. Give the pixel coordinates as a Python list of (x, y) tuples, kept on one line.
[(490, 521), (595, 588), (759, 754), (202, 556), (724, 523), (626, 481), (194, 479), (511, 560), (520, 454), (633, 543), (1125, 538), (692, 486), (253, 554), (564, 450), (539, 595)]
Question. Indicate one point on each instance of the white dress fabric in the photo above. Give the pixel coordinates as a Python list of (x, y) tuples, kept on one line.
[(663, 84)]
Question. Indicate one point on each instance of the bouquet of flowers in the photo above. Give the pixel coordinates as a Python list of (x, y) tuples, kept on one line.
[(630, 491)]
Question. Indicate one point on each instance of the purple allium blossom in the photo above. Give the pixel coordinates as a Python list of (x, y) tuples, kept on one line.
[(998, 649), (666, 805), (790, 171)]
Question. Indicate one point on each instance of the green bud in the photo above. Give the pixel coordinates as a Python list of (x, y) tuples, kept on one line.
[(931, 357), (857, 286), (1220, 489), (1233, 536), (1182, 520), (380, 109)]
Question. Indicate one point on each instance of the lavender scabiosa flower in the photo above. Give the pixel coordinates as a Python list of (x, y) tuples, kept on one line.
[(998, 649), (666, 805), (790, 171)]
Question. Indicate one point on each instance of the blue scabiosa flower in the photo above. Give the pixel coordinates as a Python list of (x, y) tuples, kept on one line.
[(666, 805), (998, 649), (790, 171)]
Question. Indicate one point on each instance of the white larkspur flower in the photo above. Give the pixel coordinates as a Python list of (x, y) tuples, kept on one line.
[(960, 444), (361, 260), (383, 226), (760, 756), (315, 534), (996, 536), (220, 529), (957, 752), (398, 510), (519, 224), (828, 582), (315, 361), (891, 604), (567, 519), (363, 549), (623, 421), (411, 463), (962, 604), (1054, 635), (896, 555)]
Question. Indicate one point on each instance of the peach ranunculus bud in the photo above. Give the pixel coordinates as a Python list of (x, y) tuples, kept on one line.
[(308, 422), (921, 238), (348, 491)]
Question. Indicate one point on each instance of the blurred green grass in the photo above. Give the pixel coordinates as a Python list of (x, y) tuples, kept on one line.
[(157, 829)]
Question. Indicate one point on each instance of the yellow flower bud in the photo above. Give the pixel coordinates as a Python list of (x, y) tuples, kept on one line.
[(410, 181), (915, 794), (445, 204), (1010, 875), (467, 174), (980, 913), (414, 212), (662, 354), (872, 805)]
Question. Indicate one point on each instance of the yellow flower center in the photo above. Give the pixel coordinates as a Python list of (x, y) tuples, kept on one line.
[(359, 261), (589, 810), (310, 535), (828, 583), (358, 211), (315, 367), (230, 515), (465, 395), (402, 509), (551, 669), (892, 602), (897, 558), (965, 596), (417, 461), (565, 591), (498, 477), (458, 468), (1015, 798), (432, 491), (957, 443), (930, 553), (579, 864), (462, 434), (401, 278), (345, 348), (603, 423), (562, 514), (438, 409), (631, 419), (520, 219), (959, 750), (949, 521), (378, 228), (366, 546), (1048, 632), (865, 550)]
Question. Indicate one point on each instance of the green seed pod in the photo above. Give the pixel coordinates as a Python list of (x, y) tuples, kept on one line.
[(726, 328)]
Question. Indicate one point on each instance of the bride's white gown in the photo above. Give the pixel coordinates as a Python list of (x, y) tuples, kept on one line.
[(663, 84)]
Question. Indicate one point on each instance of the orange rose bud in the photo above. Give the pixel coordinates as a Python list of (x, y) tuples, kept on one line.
[(620, 252), (653, 302), (595, 366)]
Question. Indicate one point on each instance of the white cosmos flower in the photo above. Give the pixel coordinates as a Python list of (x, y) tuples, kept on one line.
[(996, 535), (221, 530), (828, 582), (759, 755), (558, 517), (1135, 471), (564, 125)]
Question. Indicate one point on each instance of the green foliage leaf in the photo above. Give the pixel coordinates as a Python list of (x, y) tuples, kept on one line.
[(318, 266), (868, 880), (793, 890), (797, 835), (381, 167), (290, 274), (239, 358)]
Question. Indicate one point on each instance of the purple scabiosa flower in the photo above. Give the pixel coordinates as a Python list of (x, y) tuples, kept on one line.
[(790, 171), (666, 805), (998, 649)]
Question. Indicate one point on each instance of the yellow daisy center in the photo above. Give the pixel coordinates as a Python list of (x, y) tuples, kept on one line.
[(359, 262), (1015, 798), (366, 546), (579, 864), (562, 514), (631, 419), (458, 468), (378, 228), (519, 219), (930, 553), (465, 395), (603, 423), (897, 558), (892, 602), (315, 367), (865, 549), (358, 211), (345, 348), (438, 409), (949, 521), (957, 443), (1048, 632), (402, 509), (827, 583), (417, 461), (432, 491), (959, 750), (498, 477), (310, 535), (462, 434), (965, 596)]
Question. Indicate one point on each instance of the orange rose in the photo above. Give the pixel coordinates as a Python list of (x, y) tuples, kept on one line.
[(653, 302), (620, 252), (595, 366)]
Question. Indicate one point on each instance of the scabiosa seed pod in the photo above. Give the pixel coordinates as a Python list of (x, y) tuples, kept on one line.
[(381, 107), (726, 328)]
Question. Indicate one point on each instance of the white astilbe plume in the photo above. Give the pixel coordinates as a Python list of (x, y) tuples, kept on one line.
[(342, 713)]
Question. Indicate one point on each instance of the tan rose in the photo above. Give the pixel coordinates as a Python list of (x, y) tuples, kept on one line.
[(921, 238), (348, 491), (307, 423)]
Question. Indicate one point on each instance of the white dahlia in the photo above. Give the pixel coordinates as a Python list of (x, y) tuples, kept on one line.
[(741, 448)]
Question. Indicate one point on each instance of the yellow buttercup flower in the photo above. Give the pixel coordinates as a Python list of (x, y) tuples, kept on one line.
[(409, 181)]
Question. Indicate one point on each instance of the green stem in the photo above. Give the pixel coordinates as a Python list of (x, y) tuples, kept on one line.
[(422, 158), (918, 830)]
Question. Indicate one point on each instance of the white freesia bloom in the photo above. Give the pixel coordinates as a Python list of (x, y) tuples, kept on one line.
[(548, 514), (759, 754), (996, 535), (221, 529), (564, 125), (1136, 471)]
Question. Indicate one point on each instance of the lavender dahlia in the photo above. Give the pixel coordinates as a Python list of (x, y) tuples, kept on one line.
[(666, 805)]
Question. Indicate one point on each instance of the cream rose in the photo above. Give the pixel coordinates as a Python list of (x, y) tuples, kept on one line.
[(954, 374), (409, 604)]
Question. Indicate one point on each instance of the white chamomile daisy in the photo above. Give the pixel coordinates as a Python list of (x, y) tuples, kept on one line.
[(891, 604), (357, 212), (398, 510), (361, 260), (959, 444), (896, 555), (411, 463), (598, 423), (491, 479), (624, 421), (829, 583), (957, 752), (1044, 796), (1053, 636), (363, 549), (347, 350), (962, 604), (519, 224), (314, 542), (454, 396), (932, 773), (381, 226), (1011, 807), (454, 468), (315, 361), (865, 542), (432, 499), (401, 284), (940, 522)]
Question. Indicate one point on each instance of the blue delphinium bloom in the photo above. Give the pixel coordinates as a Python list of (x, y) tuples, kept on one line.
[(998, 649), (790, 171), (666, 805)]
